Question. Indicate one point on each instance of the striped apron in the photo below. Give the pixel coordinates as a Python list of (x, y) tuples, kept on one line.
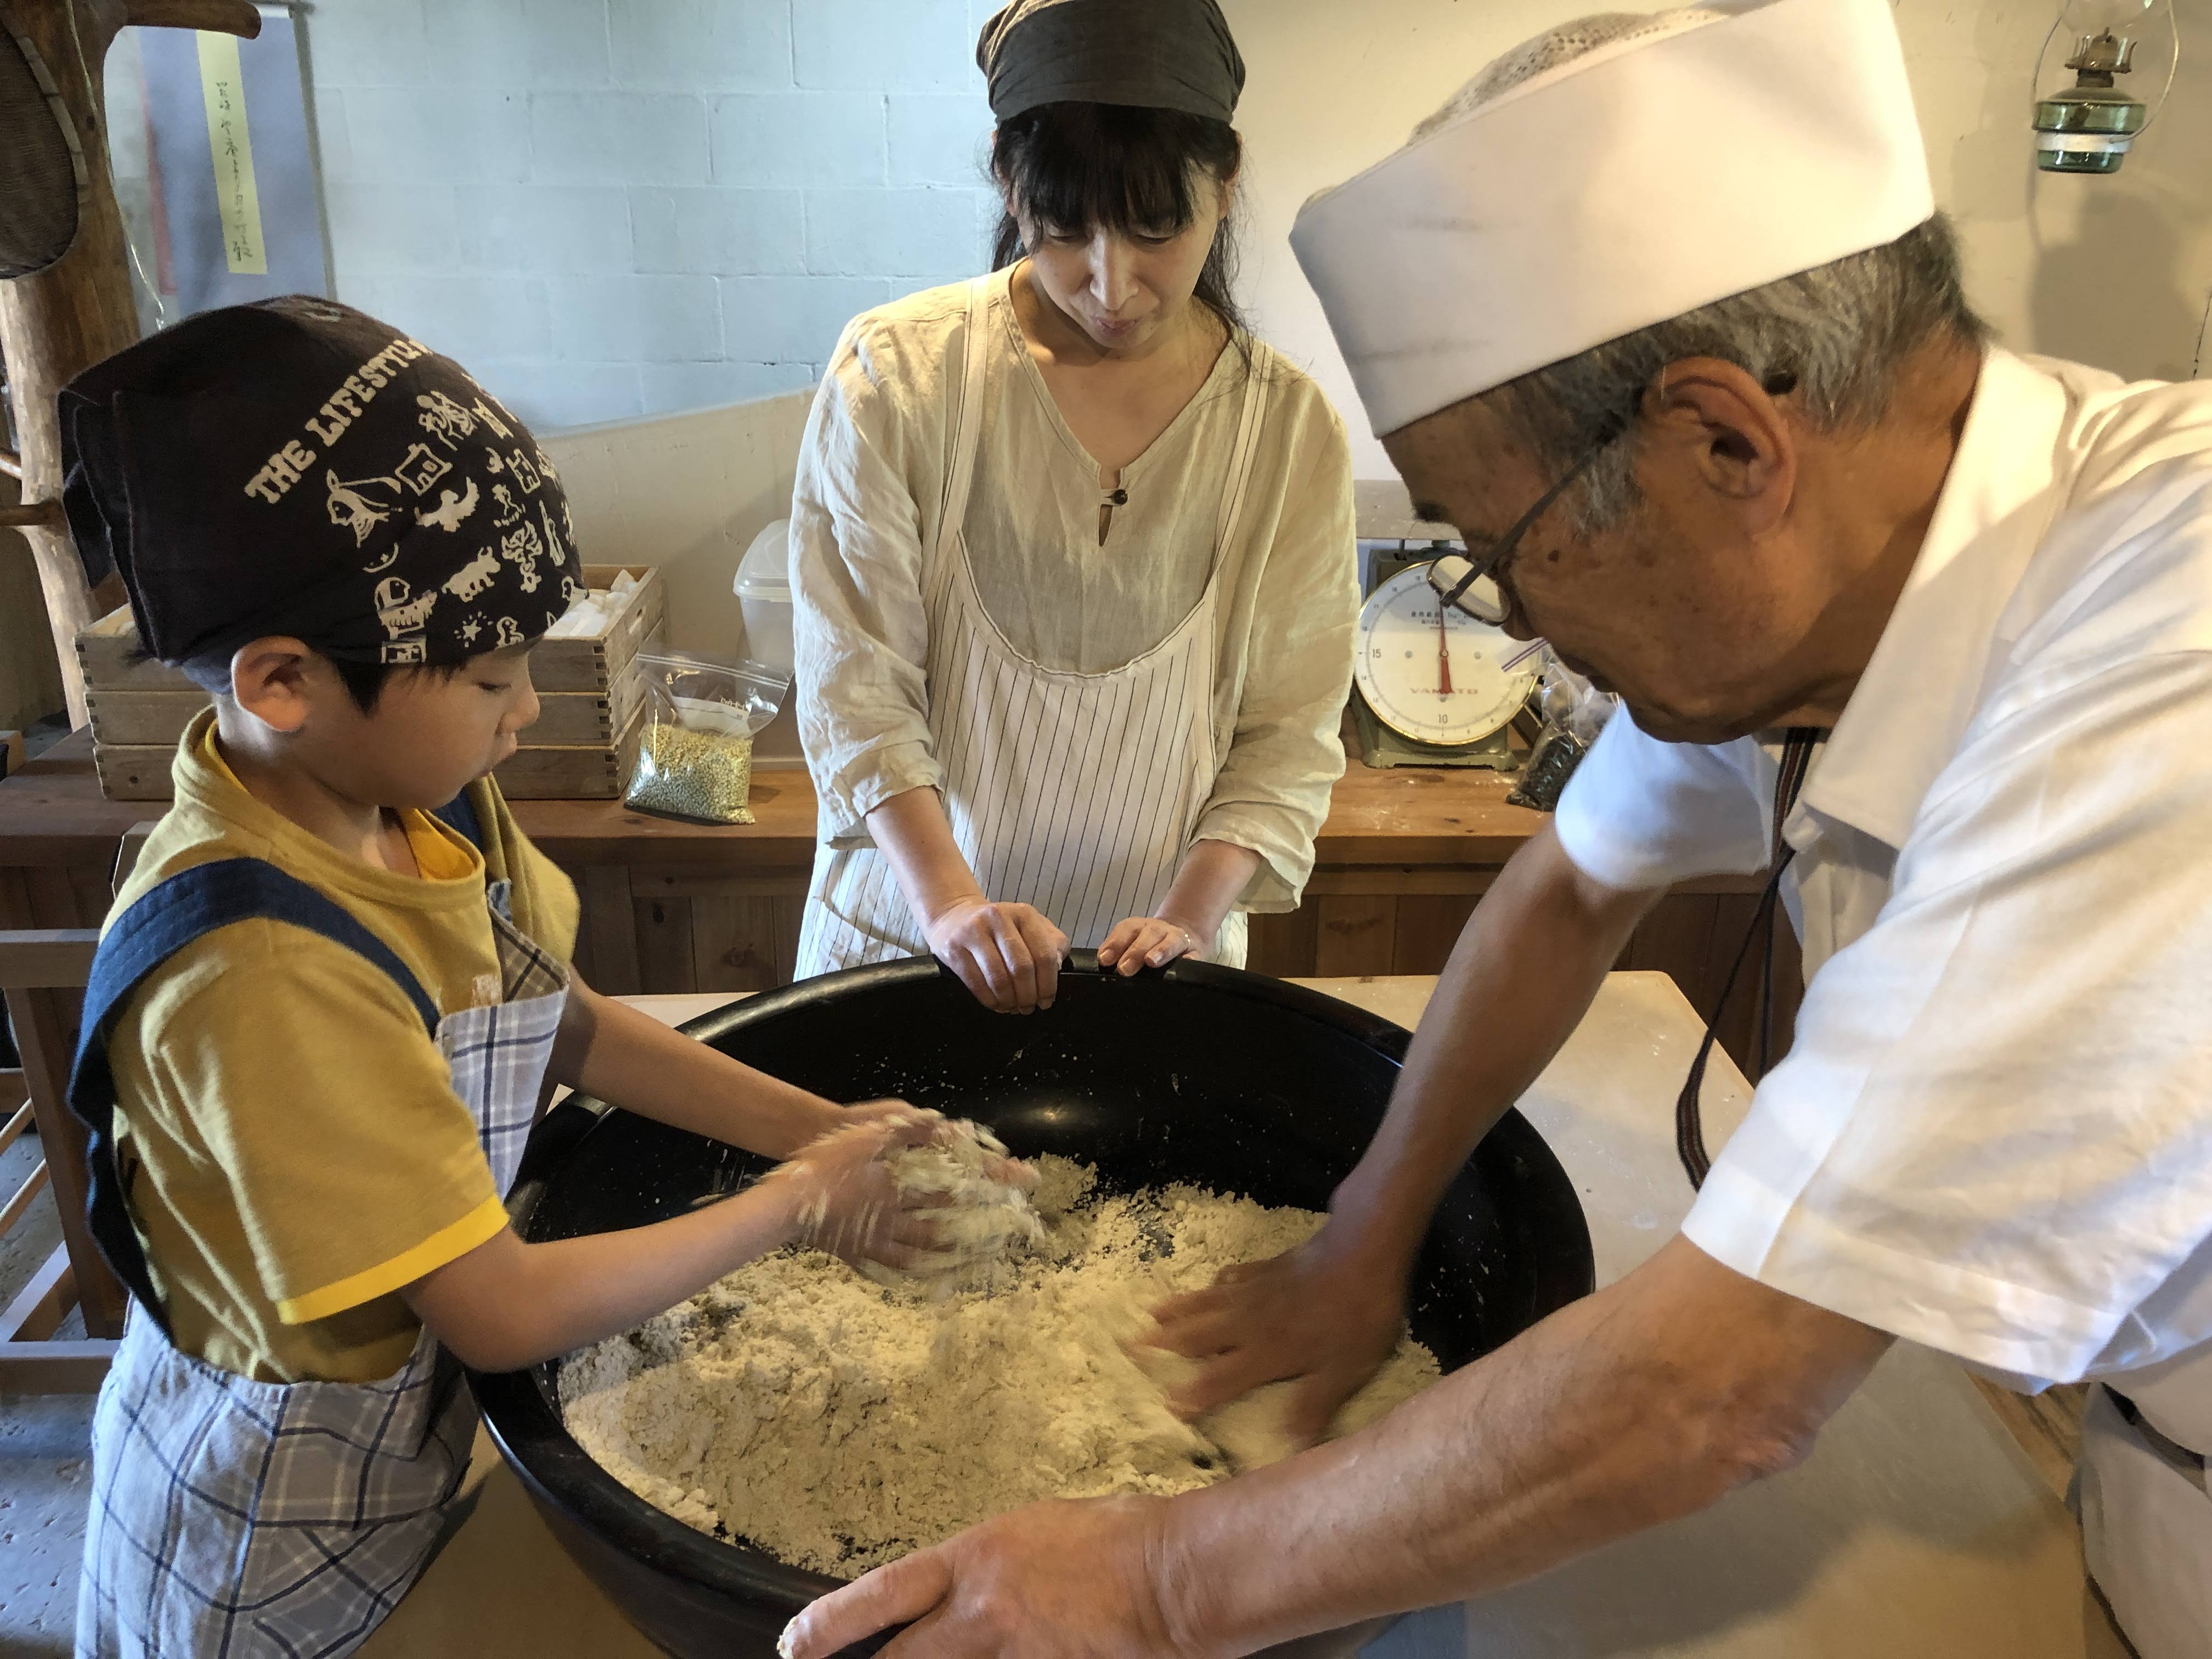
[(1076, 793), (230, 1516)]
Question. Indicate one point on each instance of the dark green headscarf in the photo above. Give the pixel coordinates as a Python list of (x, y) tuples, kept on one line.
[(1150, 54)]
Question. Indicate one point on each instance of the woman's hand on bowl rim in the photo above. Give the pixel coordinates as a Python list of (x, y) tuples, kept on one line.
[(1141, 942)]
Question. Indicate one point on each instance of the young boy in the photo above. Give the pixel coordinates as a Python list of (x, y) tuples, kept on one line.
[(320, 1023)]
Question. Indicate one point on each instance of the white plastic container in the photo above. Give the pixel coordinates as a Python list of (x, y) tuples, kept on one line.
[(762, 586), (763, 590)]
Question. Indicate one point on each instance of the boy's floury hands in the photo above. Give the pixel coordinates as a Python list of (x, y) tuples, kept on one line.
[(839, 1194)]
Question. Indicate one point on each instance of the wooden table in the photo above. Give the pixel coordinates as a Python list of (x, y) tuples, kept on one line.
[(1917, 1527), (678, 908)]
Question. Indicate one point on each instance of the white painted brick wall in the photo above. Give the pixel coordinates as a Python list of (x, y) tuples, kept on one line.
[(635, 319), (705, 47), (787, 319), (883, 45), (619, 137), (817, 139), (609, 208), (939, 140), (724, 233), (531, 230), (860, 233)]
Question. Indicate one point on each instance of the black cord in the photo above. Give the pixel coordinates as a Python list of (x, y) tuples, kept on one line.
[(1689, 1109)]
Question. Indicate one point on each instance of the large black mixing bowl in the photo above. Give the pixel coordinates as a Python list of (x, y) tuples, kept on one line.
[(1199, 1073)]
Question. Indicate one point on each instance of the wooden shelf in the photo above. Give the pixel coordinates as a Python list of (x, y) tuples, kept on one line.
[(670, 907)]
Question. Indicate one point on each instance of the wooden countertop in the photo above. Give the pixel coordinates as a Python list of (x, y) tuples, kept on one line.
[(52, 814)]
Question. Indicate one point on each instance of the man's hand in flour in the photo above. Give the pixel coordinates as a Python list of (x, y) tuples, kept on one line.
[(1004, 1590), (840, 1195), (1321, 1316)]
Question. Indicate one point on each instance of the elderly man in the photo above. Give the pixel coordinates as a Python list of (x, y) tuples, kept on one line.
[(1659, 313)]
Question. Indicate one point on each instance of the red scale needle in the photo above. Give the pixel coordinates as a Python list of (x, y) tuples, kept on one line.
[(1443, 655)]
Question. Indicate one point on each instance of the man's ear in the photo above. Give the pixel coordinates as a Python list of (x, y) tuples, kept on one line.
[(1732, 432), (275, 680)]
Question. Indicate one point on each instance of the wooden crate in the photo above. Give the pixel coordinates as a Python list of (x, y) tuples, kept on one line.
[(574, 772), (108, 650), (568, 719), (594, 663), (596, 771), (127, 719), (581, 746), (591, 663), (132, 771)]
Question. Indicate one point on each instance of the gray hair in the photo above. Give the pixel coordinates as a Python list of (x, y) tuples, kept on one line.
[(1840, 333)]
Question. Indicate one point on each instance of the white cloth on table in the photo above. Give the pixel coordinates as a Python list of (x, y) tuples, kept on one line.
[(869, 494), (1993, 1133)]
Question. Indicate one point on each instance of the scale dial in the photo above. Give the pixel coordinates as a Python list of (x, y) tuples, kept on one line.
[(1431, 671)]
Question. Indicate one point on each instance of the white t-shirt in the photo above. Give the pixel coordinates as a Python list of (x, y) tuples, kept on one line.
[(1993, 1133)]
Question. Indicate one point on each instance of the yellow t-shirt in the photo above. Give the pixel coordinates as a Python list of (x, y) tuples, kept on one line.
[(291, 1144)]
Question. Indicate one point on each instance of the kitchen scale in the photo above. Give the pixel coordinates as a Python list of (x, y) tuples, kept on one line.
[(1432, 687)]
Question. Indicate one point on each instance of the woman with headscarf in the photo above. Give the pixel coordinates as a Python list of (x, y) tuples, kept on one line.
[(1072, 551)]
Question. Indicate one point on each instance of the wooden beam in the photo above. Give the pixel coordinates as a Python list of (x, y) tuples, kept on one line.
[(46, 1030), (34, 1184), (12, 1131), (2047, 1425), (38, 1312), (54, 1367), (611, 925), (128, 849), (681, 882), (58, 322), (238, 17), (50, 958)]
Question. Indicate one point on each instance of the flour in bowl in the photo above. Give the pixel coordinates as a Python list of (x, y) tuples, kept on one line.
[(838, 1424)]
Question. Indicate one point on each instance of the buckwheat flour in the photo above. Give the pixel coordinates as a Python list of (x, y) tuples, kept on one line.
[(838, 1424)]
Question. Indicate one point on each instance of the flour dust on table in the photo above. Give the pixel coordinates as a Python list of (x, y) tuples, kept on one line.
[(838, 1423)]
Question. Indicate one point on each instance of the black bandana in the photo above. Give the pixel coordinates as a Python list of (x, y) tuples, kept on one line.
[(1150, 54), (296, 467)]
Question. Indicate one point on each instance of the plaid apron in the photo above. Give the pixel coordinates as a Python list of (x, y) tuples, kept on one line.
[(231, 1517)]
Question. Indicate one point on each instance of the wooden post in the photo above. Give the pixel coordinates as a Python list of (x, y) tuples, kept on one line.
[(61, 321)]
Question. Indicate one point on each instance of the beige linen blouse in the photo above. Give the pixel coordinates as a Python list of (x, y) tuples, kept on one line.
[(870, 493)]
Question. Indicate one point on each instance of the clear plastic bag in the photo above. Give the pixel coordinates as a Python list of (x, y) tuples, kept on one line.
[(694, 757), (1573, 712)]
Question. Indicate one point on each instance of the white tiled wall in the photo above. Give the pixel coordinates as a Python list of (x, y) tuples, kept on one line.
[(616, 208)]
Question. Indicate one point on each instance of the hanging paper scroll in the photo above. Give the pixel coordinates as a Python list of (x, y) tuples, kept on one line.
[(235, 213)]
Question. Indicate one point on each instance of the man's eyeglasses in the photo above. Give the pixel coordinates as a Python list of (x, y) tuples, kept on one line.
[(1470, 584)]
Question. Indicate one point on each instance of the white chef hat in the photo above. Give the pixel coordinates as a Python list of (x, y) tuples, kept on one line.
[(1706, 152)]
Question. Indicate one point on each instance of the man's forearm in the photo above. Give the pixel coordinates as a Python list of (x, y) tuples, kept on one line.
[(1641, 1404), (1526, 968)]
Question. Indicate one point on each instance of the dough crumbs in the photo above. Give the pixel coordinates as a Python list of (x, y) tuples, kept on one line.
[(838, 1423), (983, 1218)]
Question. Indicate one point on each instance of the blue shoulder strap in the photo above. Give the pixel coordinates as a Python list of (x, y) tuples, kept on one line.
[(460, 814), (164, 920)]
